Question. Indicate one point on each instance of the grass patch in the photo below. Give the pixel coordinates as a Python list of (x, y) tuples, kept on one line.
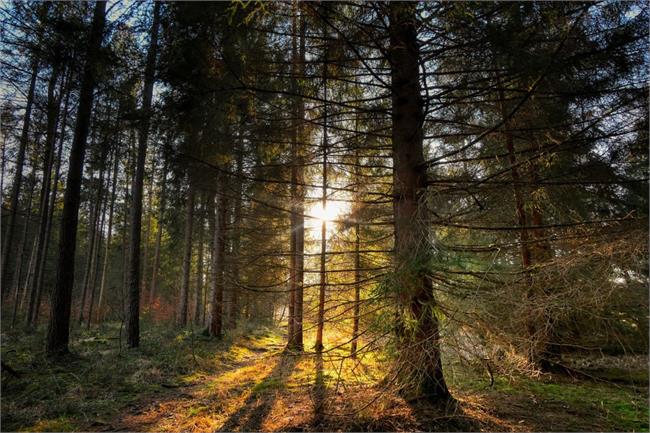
[(103, 377), (575, 404)]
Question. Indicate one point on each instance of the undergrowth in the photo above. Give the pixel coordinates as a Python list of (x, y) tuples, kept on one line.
[(102, 376)]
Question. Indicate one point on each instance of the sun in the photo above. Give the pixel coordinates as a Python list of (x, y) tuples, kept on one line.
[(317, 214), (330, 212)]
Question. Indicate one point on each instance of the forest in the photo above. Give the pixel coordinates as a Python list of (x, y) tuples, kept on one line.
[(324, 216)]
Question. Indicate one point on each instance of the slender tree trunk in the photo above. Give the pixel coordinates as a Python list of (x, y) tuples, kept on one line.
[(300, 196), (199, 268), (357, 260), (291, 320), (54, 194), (156, 254), (126, 212), (236, 238), (421, 340), (109, 236), (17, 283), (133, 314), (519, 200), (48, 162), (59, 323), (323, 230), (15, 187), (147, 230), (90, 262), (97, 255), (218, 249), (187, 257)]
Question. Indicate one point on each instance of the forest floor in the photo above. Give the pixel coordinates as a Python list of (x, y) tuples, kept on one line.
[(246, 382)]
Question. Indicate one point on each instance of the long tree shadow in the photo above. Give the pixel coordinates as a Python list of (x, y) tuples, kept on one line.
[(319, 392), (251, 415)]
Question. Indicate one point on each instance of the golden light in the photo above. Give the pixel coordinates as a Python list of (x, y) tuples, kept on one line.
[(334, 210)]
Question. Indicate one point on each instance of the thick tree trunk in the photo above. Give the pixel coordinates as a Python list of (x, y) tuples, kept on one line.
[(420, 343), (187, 257), (15, 187), (59, 323), (133, 313)]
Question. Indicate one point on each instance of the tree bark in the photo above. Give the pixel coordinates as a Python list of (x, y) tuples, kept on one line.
[(48, 162), (420, 343), (59, 323), (97, 255), (92, 236), (318, 346), (18, 178), (236, 238), (357, 260), (199, 268), (17, 275), (109, 237), (187, 257), (156, 254), (133, 313), (300, 196), (218, 249), (55, 191)]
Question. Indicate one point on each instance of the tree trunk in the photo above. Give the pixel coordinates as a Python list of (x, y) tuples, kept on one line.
[(218, 249), (291, 320), (156, 254), (18, 178), (109, 235), (90, 260), (323, 230), (54, 194), (17, 280), (357, 260), (147, 230), (199, 269), (420, 342), (187, 257), (133, 314), (61, 303), (97, 256), (300, 197), (236, 238), (48, 162)]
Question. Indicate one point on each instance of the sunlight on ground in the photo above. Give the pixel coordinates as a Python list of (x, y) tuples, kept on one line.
[(247, 382)]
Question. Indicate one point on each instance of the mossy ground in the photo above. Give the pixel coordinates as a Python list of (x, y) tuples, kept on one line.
[(179, 380)]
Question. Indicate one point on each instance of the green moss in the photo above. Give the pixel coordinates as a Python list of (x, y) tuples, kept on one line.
[(62, 424), (270, 383)]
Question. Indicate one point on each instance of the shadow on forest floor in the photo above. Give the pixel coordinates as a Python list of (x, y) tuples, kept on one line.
[(248, 383)]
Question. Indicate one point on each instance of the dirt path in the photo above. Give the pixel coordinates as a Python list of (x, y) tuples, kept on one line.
[(234, 399)]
